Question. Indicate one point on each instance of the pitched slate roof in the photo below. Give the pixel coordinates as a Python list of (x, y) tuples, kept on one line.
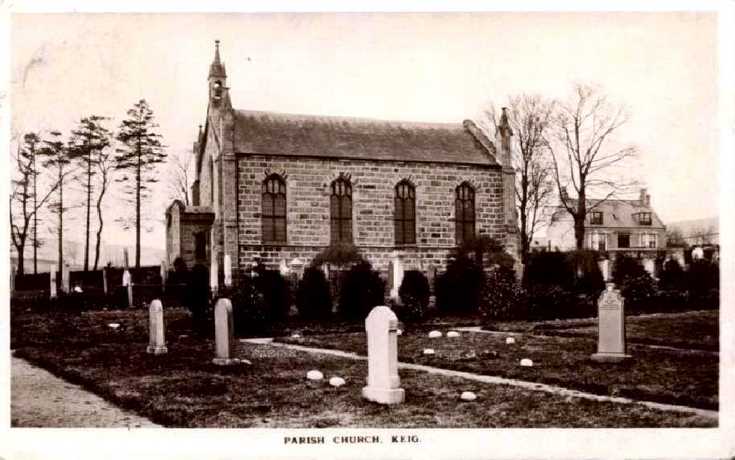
[(273, 133), (619, 214)]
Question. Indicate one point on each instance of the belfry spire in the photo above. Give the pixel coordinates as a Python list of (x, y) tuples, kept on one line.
[(217, 68)]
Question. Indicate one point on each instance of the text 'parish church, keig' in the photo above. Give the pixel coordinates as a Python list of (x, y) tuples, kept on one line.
[(281, 187)]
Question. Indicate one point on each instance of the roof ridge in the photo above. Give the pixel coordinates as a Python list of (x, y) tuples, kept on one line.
[(353, 119)]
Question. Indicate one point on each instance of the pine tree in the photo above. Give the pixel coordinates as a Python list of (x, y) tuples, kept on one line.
[(137, 159), (88, 143), (57, 160)]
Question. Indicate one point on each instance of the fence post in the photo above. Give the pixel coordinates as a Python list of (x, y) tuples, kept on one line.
[(52, 284), (65, 278), (104, 279), (127, 282)]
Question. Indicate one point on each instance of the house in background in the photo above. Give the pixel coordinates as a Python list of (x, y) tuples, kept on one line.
[(613, 226)]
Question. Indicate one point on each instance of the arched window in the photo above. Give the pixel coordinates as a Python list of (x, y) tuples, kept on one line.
[(405, 213), (273, 215), (464, 213), (340, 206)]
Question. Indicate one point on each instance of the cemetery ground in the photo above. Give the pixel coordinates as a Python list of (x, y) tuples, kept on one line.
[(183, 388)]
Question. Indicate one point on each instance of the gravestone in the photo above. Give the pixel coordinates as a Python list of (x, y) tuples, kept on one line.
[(128, 283), (611, 327), (228, 270), (650, 266), (224, 333), (52, 286), (65, 278), (383, 383), (104, 280), (156, 329), (396, 276), (164, 275), (604, 269), (213, 275)]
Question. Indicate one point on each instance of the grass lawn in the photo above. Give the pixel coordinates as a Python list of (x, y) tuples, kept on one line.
[(659, 375), (183, 388), (695, 330)]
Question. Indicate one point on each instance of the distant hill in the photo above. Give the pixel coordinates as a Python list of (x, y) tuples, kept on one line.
[(74, 253)]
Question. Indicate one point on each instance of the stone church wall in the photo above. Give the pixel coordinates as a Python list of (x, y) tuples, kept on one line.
[(308, 190)]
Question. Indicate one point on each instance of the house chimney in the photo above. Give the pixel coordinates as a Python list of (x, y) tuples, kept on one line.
[(564, 194), (645, 198)]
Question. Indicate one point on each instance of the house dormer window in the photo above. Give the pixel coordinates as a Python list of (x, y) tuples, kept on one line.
[(596, 218), (644, 218)]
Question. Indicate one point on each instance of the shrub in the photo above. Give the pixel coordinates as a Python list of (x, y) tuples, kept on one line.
[(586, 271), (251, 315), (548, 268), (626, 267), (197, 296), (502, 297), (672, 276), (459, 288), (339, 254), (703, 276), (548, 301), (414, 294), (638, 291), (362, 289), (313, 297)]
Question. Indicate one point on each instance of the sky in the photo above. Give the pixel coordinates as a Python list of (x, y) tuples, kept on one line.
[(412, 66)]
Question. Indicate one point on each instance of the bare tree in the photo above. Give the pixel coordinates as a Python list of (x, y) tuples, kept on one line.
[(530, 118), (105, 167), (24, 199), (585, 155), (179, 175)]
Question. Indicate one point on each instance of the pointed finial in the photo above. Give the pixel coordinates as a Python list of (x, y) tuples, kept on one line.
[(217, 69)]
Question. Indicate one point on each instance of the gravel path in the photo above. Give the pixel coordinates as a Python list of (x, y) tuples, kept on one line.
[(38, 399)]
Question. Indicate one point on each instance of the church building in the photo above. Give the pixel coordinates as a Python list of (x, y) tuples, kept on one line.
[(280, 188)]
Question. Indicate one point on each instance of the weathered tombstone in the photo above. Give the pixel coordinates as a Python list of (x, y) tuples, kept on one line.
[(228, 270), (604, 269), (156, 329), (383, 383), (104, 280), (650, 266), (611, 326), (65, 278), (396, 276), (213, 275), (164, 275), (127, 282), (223, 332), (52, 285)]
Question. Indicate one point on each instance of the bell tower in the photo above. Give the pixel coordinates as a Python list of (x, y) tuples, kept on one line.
[(218, 90)]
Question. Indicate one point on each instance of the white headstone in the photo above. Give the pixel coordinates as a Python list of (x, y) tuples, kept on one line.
[(228, 270), (525, 362), (435, 334), (451, 334), (52, 286), (383, 383), (65, 278), (223, 332), (128, 282), (213, 275), (604, 269), (611, 326), (314, 375), (156, 329), (397, 276), (650, 266), (510, 340), (428, 351)]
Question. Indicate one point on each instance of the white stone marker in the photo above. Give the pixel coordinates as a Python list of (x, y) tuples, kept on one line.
[(451, 334), (164, 274), (104, 279), (435, 334), (525, 362), (468, 396), (228, 270), (383, 382), (649, 265), (127, 282), (52, 285), (314, 375), (213, 275), (337, 381), (396, 276), (156, 329), (611, 327), (510, 340), (65, 278), (604, 265), (223, 332)]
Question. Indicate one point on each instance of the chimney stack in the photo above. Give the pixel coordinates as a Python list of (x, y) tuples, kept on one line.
[(645, 198), (564, 194)]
